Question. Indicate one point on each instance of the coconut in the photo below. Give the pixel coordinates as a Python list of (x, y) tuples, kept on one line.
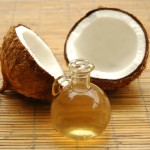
[(115, 41), (28, 64)]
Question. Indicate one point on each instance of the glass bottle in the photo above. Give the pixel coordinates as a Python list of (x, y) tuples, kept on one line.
[(80, 109)]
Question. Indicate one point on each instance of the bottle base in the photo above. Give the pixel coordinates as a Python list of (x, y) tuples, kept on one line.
[(80, 134)]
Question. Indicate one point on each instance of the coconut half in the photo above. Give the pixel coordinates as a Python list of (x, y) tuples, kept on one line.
[(115, 41), (28, 64)]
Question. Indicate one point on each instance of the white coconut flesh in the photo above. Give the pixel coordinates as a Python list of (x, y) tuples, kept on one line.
[(41, 53), (112, 40)]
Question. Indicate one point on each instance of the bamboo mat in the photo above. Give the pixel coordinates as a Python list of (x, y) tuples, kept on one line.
[(26, 124)]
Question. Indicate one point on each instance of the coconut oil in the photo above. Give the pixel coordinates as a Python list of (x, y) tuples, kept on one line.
[(81, 110)]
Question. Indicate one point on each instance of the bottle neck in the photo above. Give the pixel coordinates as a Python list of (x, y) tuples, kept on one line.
[(80, 82)]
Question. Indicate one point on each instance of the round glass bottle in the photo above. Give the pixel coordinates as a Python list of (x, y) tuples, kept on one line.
[(80, 109)]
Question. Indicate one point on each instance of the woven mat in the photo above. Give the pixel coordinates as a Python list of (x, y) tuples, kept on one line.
[(26, 124)]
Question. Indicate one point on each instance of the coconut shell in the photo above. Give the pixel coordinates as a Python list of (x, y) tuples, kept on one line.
[(107, 84), (20, 71)]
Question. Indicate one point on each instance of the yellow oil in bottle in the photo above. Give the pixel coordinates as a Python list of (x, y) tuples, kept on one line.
[(81, 115)]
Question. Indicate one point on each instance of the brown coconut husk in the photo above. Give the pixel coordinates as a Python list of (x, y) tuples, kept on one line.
[(20, 71), (106, 84)]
